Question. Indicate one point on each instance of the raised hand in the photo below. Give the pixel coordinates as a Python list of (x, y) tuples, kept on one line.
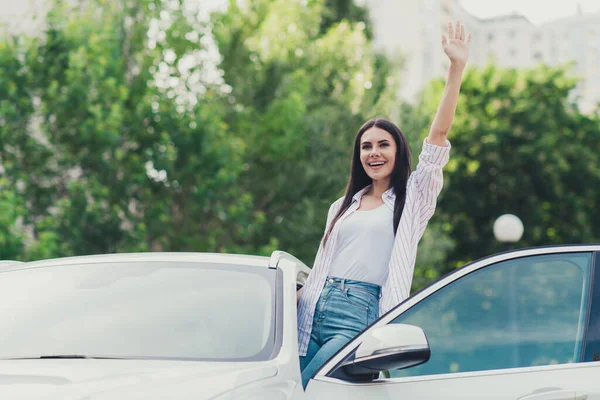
[(456, 45)]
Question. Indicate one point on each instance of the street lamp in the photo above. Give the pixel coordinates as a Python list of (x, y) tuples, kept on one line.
[(508, 229)]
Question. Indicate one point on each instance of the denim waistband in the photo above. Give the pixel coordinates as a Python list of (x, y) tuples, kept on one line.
[(349, 283)]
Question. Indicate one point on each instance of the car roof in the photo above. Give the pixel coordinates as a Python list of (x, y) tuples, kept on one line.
[(6, 263), (213, 258)]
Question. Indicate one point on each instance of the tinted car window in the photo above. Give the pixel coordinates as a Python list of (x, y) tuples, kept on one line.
[(518, 313), (151, 309)]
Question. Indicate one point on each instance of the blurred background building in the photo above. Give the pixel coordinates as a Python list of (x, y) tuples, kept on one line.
[(18, 16)]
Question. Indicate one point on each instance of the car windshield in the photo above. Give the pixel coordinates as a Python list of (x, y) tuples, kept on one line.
[(175, 310)]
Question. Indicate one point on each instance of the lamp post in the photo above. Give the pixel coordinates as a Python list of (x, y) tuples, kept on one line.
[(508, 229)]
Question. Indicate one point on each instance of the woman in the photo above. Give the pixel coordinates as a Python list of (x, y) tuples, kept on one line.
[(365, 262)]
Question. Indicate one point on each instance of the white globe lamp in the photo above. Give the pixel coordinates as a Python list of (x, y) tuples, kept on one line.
[(508, 228)]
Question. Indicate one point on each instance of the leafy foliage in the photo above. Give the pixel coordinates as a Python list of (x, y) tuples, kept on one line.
[(520, 146), (120, 132), (148, 126)]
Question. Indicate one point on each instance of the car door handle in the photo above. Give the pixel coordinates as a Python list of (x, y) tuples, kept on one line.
[(554, 395)]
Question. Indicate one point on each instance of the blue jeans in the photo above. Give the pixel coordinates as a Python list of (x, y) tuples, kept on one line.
[(345, 309)]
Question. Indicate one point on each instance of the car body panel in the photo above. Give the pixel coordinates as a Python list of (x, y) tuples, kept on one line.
[(517, 383), (279, 377), (216, 258), (159, 379), (448, 279), (109, 379), (546, 382)]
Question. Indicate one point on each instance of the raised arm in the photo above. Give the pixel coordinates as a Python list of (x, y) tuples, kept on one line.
[(456, 47)]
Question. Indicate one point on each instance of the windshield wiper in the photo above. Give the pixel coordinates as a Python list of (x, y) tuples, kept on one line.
[(62, 356), (68, 356)]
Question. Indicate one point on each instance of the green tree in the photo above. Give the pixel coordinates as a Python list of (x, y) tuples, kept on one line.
[(120, 133), (338, 10), (11, 234), (299, 94), (21, 156), (115, 142), (521, 146)]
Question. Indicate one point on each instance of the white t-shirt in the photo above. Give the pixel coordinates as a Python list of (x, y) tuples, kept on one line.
[(364, 246)]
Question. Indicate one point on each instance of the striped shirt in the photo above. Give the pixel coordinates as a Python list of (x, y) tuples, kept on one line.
[(422, 189)]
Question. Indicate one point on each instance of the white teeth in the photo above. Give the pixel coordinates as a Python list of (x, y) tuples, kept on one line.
[(376, 164)]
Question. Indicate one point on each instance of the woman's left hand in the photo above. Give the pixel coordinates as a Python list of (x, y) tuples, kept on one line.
[(456, 45)]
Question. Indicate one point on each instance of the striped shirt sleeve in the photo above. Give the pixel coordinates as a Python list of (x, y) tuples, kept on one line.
[(424, 186), (429, 179)]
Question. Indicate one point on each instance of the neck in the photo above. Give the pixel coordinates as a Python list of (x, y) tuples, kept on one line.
[(378, 188)]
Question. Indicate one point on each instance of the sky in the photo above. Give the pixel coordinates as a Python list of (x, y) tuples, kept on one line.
[(537, 11)]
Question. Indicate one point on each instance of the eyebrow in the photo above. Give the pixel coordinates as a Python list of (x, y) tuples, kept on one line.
[(381, 141)]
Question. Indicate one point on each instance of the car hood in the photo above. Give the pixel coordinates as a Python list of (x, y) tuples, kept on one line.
[(90, 379)]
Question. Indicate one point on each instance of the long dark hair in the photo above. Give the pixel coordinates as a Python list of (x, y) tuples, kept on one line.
[(359, 179)]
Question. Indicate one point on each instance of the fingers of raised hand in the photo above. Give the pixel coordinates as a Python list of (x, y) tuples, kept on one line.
[(456, 33)]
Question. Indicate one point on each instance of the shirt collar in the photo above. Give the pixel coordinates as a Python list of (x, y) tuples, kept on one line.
[(387, 195)]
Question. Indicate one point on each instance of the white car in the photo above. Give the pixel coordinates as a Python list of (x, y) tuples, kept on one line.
[(519, 325)]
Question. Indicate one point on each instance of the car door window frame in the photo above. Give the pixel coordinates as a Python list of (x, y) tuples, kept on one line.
[(278, 314), (511, 272), (343, 353), (591, 336)]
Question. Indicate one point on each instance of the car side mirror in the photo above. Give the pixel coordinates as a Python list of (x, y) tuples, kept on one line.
[(393, 346)]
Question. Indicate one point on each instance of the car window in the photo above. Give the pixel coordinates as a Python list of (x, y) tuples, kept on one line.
[(152, 310), (518, 313)]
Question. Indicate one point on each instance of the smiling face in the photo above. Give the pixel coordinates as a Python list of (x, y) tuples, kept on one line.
[(378, 154)]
